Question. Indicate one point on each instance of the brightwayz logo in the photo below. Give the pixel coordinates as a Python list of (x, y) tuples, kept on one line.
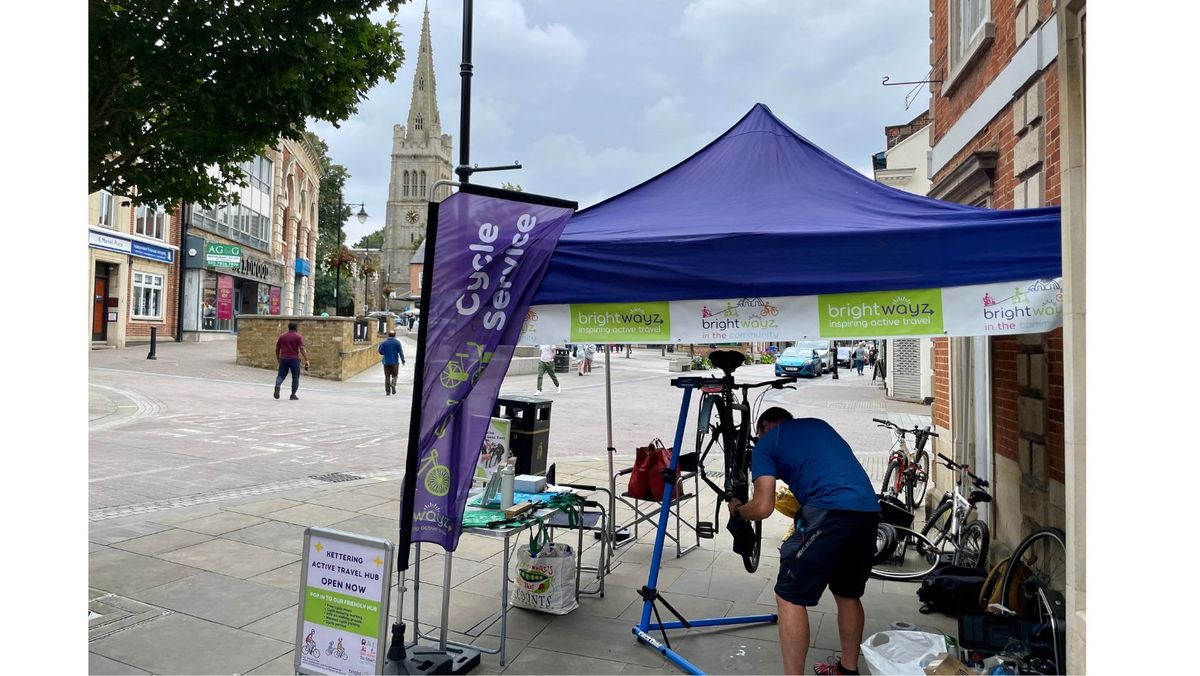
[(1020, 310), (634, 316), (904, 312)]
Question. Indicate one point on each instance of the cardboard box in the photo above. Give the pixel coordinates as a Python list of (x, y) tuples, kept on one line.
[(948, 665)]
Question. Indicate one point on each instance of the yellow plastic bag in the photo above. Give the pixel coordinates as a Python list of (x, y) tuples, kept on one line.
[(785, 503)]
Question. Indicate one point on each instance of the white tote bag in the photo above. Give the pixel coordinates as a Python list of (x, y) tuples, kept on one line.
[(545, 581)]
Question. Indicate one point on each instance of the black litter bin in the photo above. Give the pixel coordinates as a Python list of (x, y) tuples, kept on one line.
[(562, 360), (530, 440)]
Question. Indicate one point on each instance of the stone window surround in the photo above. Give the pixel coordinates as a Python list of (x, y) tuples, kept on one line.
[(980, 40), (151, 224), (971, 182), (155, 283)]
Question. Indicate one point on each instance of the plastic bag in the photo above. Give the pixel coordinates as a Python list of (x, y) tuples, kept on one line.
[(545, 579), (901, 652)]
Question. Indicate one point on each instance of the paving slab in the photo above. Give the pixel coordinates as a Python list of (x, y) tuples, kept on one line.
[(312, 515), (124, 573), (280, 625), (227, 557), (374, 526), (689, 606), (278, 535), (715, 650), (522, 624), (383, 488), (220, 523), (263, 506), (283, 577), (220, 598), (389, 509), (539, 661), (280, 666), (180, 644), (110, 533), (99, 664), (162, 541), (350, 500), (596, 637), (616, 601)]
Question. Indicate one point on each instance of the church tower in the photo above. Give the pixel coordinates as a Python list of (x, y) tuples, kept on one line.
[(420, 156)]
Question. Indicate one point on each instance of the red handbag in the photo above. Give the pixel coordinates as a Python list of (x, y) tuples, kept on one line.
[(646, 481)]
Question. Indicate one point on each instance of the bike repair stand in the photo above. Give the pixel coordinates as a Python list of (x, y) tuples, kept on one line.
[(649, 593)]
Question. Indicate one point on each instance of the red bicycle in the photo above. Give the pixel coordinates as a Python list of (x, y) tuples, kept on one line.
[(907, 474)]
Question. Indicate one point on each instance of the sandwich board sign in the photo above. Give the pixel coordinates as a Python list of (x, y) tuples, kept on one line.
[(345, 586)]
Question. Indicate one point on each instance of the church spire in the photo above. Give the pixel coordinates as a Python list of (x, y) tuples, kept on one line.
[(424, 122)]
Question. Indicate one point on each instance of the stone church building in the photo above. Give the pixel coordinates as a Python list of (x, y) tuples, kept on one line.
[(420, 156)]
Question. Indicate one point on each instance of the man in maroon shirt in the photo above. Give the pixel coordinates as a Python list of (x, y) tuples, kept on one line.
[(289, 350)]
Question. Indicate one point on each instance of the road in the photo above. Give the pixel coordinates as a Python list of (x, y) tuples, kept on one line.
[(193, 426)]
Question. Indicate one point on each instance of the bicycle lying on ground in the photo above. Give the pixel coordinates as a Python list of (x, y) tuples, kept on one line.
[(1035, 580), (907, 474), (948, 525), (732, 437)]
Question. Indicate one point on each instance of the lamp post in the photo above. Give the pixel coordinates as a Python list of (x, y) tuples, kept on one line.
[(362, 218)]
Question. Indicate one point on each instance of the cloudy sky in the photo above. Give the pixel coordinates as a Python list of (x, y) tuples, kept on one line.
[(593, 97)]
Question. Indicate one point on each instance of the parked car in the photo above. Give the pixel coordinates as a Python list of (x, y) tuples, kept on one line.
[(800, 361)]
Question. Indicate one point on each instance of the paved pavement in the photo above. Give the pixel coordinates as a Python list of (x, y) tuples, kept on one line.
[(201, 485)]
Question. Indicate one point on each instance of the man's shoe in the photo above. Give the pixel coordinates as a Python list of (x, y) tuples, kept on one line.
[(294, 398), (537, 392), (558, 389), (833, 665), (276, 391)]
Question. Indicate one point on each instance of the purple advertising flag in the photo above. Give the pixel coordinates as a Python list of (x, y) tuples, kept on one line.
[(491, 254)]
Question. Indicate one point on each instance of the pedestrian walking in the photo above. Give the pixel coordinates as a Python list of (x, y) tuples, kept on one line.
[(872, 354), (860, 354), (393, 357), (289, 350), (586, 352), (833, 543), (546, 365)]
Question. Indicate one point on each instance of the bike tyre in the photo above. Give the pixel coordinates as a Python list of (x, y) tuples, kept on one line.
[(885, 542), (918, 543), (921, 478), (751, 562), (939, 523), (887, 488), (973, 544), (1051, 536)]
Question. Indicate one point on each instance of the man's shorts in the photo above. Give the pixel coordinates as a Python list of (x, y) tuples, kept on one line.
[(831, 547)]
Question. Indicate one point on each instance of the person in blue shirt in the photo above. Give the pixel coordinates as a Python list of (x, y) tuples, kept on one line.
[(834, 540), (393, 357)]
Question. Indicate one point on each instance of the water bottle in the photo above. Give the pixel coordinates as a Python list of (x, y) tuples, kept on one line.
[(508, 481)]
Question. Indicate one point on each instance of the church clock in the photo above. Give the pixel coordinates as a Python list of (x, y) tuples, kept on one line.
[(412, 216)]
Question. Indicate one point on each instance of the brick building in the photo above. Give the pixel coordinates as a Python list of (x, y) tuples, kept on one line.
[(1001, 403), (133, 252)]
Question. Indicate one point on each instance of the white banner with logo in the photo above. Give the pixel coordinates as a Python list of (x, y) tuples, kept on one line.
[(1003, 308)]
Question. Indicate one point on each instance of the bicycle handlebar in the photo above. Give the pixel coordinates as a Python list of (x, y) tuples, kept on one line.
[(963, 468), (915, 431)]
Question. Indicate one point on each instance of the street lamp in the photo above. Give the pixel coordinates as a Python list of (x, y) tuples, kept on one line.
[(362, 218)]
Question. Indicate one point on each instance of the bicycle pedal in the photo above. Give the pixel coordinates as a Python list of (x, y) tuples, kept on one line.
[(706, 530)]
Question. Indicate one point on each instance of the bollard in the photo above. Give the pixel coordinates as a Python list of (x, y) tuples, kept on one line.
[(153, 342)]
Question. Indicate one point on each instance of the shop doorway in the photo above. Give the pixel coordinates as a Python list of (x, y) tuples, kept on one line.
[(100, 303)]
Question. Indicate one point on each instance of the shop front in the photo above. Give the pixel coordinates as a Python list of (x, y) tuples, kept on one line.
[(228, 281), (119, 264)]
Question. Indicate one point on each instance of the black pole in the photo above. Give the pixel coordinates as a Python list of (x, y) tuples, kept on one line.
[(464, 116), (337, 287), (186, 214), (153, 342)]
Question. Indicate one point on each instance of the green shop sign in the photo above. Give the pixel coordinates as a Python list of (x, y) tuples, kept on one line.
[(881, 313), (218, 255), (621, 322)]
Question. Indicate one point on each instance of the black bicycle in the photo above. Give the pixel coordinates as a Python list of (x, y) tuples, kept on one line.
[(732, 434)]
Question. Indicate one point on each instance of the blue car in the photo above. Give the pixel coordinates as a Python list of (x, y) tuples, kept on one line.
[(798, 361)]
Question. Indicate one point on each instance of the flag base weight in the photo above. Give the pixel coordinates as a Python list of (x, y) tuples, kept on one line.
[(431, 660)]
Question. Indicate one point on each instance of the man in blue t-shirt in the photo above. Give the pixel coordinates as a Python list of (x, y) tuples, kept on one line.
[(393, 357), (834, 541)]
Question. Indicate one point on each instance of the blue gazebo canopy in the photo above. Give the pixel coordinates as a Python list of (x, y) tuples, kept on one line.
[(762, 210)]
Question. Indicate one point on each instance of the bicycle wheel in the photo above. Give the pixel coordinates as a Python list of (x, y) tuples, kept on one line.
[(891, 479), (885, 542), (937, 528), (1038, 564), (920, 478), (751, 562), (973, 546), (907, 561)]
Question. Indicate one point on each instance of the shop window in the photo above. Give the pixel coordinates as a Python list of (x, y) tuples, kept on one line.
[(108, 210), (147, 295), (151, 221)]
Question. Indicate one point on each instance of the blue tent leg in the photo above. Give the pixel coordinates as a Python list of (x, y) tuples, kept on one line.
[(650, 591)]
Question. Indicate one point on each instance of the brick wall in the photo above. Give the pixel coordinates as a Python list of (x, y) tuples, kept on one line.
[(941, 382), (137, 330), (329, 341)]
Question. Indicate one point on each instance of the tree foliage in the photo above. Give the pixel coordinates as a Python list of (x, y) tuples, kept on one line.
[(371, 241), (181, 86)]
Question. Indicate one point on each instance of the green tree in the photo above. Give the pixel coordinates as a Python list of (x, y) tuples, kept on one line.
[(371, 241), (176, 88), (331, 217)]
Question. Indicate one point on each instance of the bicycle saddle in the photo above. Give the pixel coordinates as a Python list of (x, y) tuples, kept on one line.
[(727, 360)]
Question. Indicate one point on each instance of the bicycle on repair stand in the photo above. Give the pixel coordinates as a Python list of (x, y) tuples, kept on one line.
[(730, 432)]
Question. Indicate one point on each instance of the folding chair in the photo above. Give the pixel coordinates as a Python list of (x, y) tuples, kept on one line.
[(647, 511)]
